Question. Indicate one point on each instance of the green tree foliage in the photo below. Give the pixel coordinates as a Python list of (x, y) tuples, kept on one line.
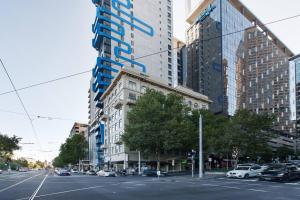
[(73, 150), (157, 124), (8, 145), (283, 152), (160, 124), (21, 162)]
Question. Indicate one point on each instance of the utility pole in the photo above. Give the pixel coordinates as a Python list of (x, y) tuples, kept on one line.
[(139, 163), (200, 148)]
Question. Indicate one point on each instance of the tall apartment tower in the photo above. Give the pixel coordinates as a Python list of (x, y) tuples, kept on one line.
[(129, 34), (239, 63)]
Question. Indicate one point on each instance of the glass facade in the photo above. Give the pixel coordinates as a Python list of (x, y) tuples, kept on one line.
[(232, 52), (214, 56)]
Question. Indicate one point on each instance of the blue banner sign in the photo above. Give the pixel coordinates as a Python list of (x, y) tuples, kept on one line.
[(206, 13)]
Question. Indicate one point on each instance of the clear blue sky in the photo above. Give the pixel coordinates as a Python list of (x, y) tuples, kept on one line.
[(42, 40)]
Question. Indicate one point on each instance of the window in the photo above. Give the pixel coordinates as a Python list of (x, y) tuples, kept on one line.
[(132, 96), (132, 85), (143, 89)]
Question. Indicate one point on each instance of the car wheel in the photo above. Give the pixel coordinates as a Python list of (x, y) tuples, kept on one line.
[(246, 176)]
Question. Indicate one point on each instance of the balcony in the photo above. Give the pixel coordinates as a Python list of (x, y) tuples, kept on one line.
[(119, 141), (104, 117), (119, 103), (131, 102)]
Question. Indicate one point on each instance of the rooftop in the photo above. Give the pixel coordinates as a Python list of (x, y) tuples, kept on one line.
[(248, 14), (179, 89)]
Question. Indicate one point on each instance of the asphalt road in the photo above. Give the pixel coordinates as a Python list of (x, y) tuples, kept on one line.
[(45, 186)]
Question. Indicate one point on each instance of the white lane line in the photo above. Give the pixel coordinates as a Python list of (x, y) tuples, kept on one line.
[(7, 188), (230, 187), (63, 192), (255, 190), (38, 188), (207, 184)]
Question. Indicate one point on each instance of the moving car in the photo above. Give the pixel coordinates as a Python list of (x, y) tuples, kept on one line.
[(106, 173), (64, 173), (244, 171), (23, 169), (150, 172), (280, 172)]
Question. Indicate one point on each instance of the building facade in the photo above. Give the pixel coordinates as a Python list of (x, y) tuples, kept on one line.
[(179, 62), (118, 99), (239, 63), (79, 128), (128, 35), (295, 95)]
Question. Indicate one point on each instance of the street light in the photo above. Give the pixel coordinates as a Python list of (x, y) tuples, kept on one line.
[(200, 145)]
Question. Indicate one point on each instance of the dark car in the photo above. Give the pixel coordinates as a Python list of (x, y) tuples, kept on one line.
[(280, 172), (150, 172), (64, 173)]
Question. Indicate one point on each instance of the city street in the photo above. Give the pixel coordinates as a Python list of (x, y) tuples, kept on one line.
[(46, 186)]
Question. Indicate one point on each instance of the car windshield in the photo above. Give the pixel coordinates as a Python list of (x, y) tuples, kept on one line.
[(242, 168)]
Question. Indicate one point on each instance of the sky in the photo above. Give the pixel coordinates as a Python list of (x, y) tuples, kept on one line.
[(42, 40)]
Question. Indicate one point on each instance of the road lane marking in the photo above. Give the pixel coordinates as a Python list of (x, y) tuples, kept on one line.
[(255, 190), (63, 192), (38, 188), (207, 184), (230, 187), (9, 187)]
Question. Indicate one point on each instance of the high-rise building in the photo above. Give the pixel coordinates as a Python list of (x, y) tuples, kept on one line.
[(133, 35), (295, 95), (179, 62), (235, 60)]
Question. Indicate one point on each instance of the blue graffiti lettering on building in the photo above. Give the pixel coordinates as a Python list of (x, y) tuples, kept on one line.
[(107, 27)]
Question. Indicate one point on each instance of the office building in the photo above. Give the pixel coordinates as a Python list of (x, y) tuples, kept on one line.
[(118, 99), (179, 62), (295, 95), (239, 63), (128, 35)]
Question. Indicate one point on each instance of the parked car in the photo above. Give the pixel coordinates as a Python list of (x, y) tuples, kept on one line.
[(244, 171), (280, 172), (1, 171), (91, 173), (106, 173), (64, 173), (74, 171)]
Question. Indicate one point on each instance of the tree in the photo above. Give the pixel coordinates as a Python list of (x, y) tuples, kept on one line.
[(254, 131), (73, 150), (283, 153), (58, 162), (8, 145), (22, 162), (156, 125)]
